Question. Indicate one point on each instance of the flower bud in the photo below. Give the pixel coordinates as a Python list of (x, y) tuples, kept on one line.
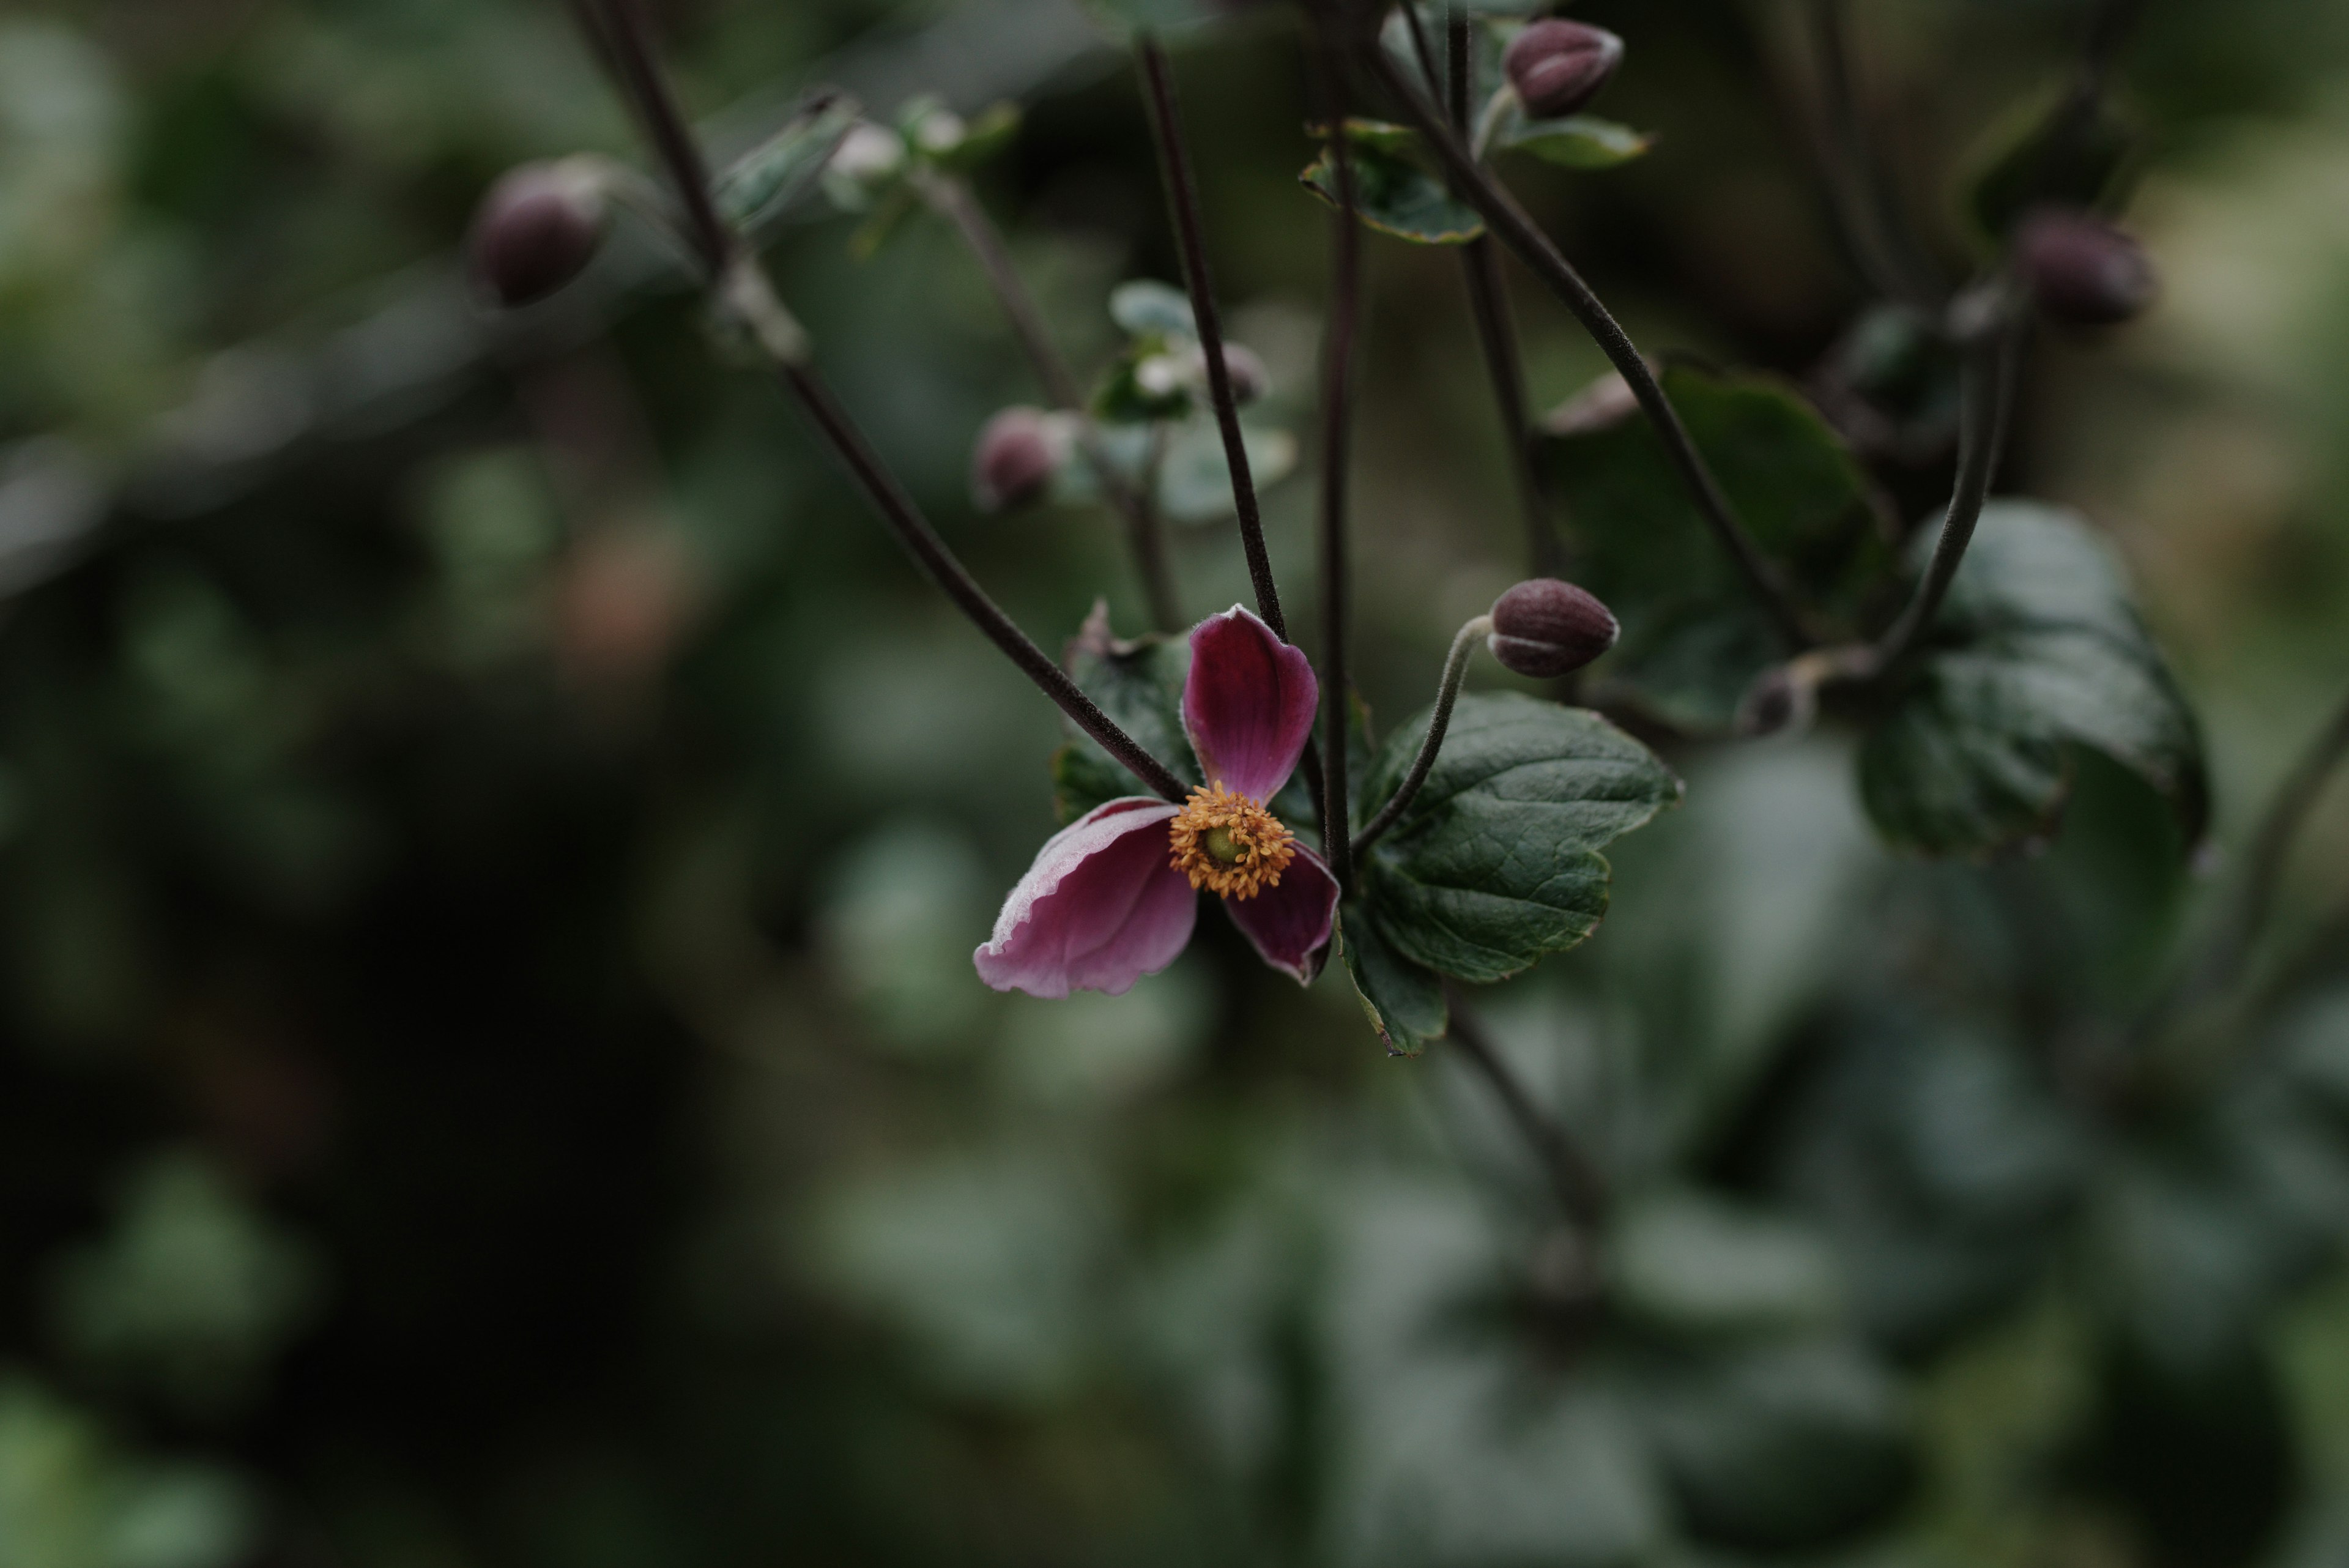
[(1016, 454), (1545, 627), (536, 229), (2083, 270), (1559, 66)]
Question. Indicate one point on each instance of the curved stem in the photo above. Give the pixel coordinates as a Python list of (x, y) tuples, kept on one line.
[(1867, 207), (1574, 1177), (1989, 392), (1523, 235), (1183, 201), (1447, 691), (1497, 334), (1145, 536), (741, 287), (2247, 916), (1336, 432)]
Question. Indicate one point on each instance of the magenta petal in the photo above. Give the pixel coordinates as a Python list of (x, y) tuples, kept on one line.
[(1289, 924), (1102, 907), (1248, 703)]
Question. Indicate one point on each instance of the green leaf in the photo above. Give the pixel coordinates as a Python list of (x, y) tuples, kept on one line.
[(771, 174), (1139, 684), (1392, 194), (1496, 861), (2038, 648), (1693, 637), (1146, 307), (1578, 142), (2045, 153), (1405, 1002), (1195, 481)]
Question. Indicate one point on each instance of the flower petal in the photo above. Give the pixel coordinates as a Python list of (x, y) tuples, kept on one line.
[(1289, 924), (1248, 703), (1102, 907)]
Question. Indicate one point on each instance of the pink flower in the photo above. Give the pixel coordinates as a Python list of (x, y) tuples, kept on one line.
[(1113, 896)]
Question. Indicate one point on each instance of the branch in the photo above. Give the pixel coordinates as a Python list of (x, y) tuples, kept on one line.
[(1989, 394), (1579, 1185), (1865, 207), (1336, 428), (1182, 201), (1145, 536), (2240, 928), (1488, 302), (741, 288), (1523, 235)]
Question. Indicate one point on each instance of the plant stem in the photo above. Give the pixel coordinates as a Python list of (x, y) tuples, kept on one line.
[(1579, 1185), (1182, 201), (1337, 430), (2240, 928), (1488, 302), (1523, 235), (1447, 691), (741, 287), (1145, 536), (1989, 393), (1864, 204)]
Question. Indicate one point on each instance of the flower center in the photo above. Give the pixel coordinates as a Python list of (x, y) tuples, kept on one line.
[(1228, 844)]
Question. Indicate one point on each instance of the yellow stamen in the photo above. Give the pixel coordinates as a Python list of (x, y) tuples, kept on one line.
[(1228, 844)]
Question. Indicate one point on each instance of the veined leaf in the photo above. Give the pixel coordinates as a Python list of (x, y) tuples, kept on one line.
[(1693, 636), (1496, 861), (1578, 142), (2038, 648), (1391, 193)]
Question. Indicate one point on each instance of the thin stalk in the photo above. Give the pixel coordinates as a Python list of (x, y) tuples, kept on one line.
[(1501, 212), (1182, 201), (1145, 534), (2247, 916), (741, 287), (1864, 200), (1574, 1177), (1455, 666), (1337, 431), (1497, 334), (1989, 393)]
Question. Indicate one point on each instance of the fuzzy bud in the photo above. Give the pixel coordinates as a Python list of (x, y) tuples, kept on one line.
[(2083, 270), (1017, 452), (1545, 627), (1558, 65), (537, 229)]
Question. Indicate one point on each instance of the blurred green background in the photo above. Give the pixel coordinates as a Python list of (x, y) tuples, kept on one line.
[(491, 838)]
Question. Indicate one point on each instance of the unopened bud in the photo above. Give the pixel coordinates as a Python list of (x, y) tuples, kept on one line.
[(1017, 452), (536, 229), (1545, 627), (1559, 66), (2083, 270)]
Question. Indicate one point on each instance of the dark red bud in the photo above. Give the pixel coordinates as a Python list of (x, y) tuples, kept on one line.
[(2083, 270), (1014, 459), (1545, 627), (1559, 66), (535, 230)]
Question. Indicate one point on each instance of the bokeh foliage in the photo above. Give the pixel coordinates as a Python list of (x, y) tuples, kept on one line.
[(492, 837)]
